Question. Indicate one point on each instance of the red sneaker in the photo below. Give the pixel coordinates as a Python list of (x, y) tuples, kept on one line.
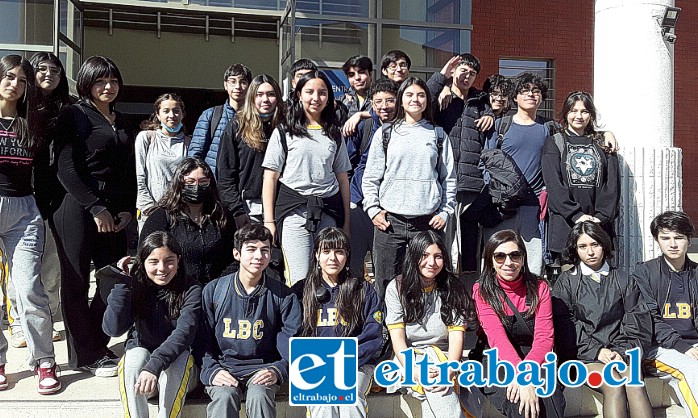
[(3, 378), (48, 381)]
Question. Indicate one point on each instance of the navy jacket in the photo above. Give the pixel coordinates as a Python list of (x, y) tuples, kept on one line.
[(653, 279), (244, 333), (166, 339), (329, 323)]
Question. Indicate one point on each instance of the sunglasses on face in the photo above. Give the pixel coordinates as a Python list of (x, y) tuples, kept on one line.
[(514, 256)]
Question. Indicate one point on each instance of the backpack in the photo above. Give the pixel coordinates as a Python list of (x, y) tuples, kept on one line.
[(508, 187)]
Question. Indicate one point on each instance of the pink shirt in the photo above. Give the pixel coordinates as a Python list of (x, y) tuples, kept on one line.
[(542, 334)]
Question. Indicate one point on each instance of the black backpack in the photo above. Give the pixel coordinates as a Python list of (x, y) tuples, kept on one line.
[(508, 187)]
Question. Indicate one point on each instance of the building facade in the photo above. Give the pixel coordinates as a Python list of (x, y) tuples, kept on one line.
[(186, 45)]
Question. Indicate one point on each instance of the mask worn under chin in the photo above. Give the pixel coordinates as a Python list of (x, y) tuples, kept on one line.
[(172, 130), (194, 193)]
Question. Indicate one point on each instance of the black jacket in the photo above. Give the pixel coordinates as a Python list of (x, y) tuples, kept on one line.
[(240, 173), (589, 317), (208, 250), (165, 339), (458, 120), (98, 169), (653, 280)]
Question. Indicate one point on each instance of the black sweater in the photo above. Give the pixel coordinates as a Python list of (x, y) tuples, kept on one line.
[(208, 250), (99, 168), (165, 339), (240, 172), (583, 180)]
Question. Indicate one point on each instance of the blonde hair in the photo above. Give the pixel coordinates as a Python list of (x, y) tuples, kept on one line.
[(250, 124)]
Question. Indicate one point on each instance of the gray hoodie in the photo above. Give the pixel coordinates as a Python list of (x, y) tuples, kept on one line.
[(409, 183)]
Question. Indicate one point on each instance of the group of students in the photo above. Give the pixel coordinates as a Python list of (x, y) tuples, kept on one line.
[(394, 169)]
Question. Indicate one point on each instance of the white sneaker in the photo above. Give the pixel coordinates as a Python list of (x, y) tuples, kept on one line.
[(104, 367)]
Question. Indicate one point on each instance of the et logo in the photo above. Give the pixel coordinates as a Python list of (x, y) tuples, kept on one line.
[(323, 371)]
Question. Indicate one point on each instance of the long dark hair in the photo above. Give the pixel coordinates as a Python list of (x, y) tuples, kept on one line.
[(297, 121), (49, 105), (596, 232), (590, 130), (351, 295), (456, 305), (25, 113), (410, 81), (490, 290), (60, 96), (153, 123), (144, 287), (94, 68), (250, 124), (172, 201)]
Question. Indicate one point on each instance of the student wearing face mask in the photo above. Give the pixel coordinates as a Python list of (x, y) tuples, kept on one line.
[(192, 212), (159, 147)]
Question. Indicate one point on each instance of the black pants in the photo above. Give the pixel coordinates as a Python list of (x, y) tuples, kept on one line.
[(78, 244)]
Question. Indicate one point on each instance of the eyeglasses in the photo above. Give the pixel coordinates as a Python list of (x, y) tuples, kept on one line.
[(200, 182), (498, 96), (526, 92), (45, 69), (241, 83), (394, 66), (380, 102), (514, 256)]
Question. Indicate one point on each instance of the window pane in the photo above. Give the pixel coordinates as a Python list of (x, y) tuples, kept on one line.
[(436, 11), (242, 4), (71, 61), (357, 8), (426, 47), (543, 68), (70, 21), (26, 22), (329, 41)]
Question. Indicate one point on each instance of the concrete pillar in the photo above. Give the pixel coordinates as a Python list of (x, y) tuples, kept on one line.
[(634, 94)]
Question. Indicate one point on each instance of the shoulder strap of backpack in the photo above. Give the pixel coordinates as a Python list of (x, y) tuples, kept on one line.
[(552, 126), (220, 291), (150, 136), (559, 142), (366, 135), (387, 131), (284, 144), (504, 126), (440, 139), (215, 120)]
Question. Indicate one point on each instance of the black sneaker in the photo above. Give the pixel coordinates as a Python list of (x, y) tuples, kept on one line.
[(104, 367)]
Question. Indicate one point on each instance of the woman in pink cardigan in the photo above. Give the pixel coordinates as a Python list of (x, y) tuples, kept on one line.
[(526, 334)]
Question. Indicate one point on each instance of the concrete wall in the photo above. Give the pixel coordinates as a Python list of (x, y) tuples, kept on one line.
[(179, 59)]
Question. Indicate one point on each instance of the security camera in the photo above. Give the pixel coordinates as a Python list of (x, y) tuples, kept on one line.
[(670, 37)]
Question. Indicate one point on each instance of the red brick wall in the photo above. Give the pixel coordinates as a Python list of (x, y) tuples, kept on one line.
[(544, 29), (686, 100)]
